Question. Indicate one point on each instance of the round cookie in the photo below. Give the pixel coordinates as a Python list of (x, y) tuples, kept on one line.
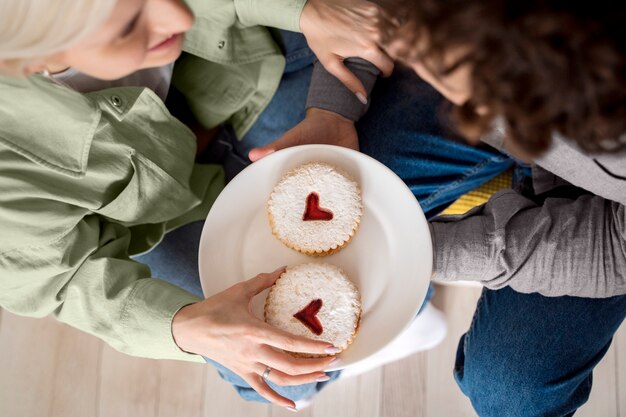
[(317, 301), (315, 209)]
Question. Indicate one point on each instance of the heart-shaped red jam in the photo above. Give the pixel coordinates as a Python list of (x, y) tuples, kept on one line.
[(313, 210), (308, 316)]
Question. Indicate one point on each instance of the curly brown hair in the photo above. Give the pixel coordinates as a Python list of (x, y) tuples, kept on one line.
[(546, 67)]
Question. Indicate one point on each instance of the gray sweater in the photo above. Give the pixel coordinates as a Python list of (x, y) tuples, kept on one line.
[(563, 246)]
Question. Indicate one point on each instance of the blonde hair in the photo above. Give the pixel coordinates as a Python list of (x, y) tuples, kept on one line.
[(33, 29)]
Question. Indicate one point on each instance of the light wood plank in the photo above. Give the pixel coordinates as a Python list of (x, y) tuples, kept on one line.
[(603, 398), (48, 368), (620, 369), (444, 398), (27, 351), (75, 387), (129, 386), (404, 390), (221, 400), (370, 401), (182, 389), (341, 398)]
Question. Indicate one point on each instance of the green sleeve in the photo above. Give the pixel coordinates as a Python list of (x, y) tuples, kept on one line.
[(86, 279), (280, 14)]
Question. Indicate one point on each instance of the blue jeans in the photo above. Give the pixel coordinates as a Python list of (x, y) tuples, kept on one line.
[(527, 355)]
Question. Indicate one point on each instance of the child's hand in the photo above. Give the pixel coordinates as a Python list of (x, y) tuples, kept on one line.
[(340, 29), (223, 328), (318, 127)]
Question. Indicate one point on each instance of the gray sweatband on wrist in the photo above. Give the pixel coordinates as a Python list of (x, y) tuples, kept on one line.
[(328, 93)]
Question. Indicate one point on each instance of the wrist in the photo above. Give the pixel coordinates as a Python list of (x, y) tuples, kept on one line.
[(180, 327), (316, 112), (307, 16)]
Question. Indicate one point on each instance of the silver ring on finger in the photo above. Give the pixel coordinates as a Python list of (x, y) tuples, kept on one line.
[(266, 373)]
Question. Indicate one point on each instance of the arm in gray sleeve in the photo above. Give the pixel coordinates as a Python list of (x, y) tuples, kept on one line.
[(328, 93), (564, 247)]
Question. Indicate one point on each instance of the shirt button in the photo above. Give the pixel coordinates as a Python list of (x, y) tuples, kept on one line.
[(116, 101), (221, 44)]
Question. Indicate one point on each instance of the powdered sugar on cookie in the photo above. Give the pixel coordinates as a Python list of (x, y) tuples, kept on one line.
[(331, 297), (330, 218)]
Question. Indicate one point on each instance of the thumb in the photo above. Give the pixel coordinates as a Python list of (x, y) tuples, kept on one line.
[(337, 68), (262, 281), (291, 138), (258, 153)]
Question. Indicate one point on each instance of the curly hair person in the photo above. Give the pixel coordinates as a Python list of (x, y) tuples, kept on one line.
[(546, 67)]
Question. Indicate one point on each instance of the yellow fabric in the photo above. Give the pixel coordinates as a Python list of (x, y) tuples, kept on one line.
[(480, 195)]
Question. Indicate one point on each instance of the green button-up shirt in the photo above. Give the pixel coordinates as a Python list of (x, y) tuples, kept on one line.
[(88, 180)]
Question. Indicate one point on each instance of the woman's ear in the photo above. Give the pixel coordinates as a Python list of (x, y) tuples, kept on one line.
[(16, 68), (7, 69), (33, 68)]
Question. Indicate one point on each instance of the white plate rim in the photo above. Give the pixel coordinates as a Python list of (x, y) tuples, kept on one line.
[(279, 158)]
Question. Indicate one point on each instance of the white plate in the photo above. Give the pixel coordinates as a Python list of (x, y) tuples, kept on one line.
[(389, 258)]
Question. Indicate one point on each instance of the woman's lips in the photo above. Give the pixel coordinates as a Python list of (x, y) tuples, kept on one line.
[(166, 43)]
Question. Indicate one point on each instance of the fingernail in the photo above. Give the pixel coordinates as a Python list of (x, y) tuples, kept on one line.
[(323, 378), (335, 361), (361, 97), (295, 410), (252, 154), (257, 153), (279, 269), (332, 350)]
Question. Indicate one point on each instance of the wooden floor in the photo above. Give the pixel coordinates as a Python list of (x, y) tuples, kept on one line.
[(49, 369)]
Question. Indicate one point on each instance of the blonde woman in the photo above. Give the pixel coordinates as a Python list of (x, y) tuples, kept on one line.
[(94, 168)]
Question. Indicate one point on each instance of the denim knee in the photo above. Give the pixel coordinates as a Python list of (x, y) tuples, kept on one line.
[(530, 355), (497, 386)]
